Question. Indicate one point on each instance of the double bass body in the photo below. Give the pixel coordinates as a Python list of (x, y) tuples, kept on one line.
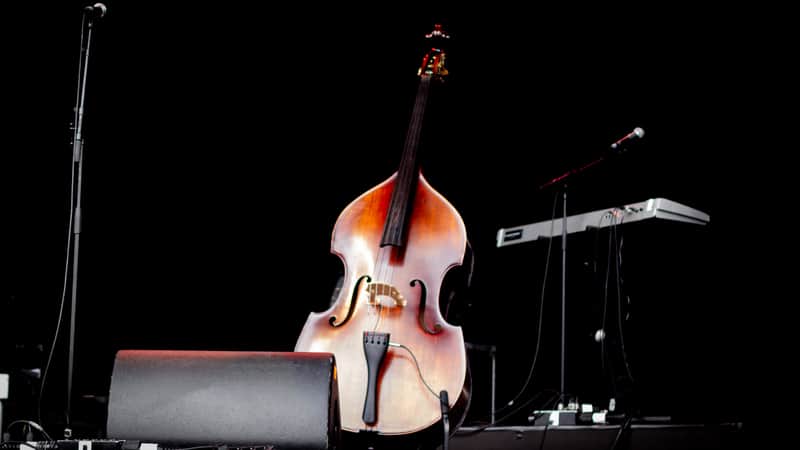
[(436, 242)]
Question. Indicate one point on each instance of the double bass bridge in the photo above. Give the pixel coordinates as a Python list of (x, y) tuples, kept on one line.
[(377, 290)]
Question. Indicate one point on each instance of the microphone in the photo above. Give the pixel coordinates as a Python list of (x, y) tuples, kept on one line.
[(97, 10), (636, 133)]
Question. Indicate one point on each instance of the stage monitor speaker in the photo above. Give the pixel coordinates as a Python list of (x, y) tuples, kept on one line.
[(285, 399)]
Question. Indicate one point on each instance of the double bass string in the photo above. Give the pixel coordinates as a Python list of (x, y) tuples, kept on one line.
[(384, 274), (405, 180), (380, 267)]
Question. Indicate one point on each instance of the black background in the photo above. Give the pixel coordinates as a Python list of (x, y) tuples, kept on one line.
[(222, 141)]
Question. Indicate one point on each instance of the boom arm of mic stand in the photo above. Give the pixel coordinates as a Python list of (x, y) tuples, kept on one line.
[(569, 173)]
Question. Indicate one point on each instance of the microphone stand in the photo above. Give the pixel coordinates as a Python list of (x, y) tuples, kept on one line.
[(561, 179), (87, 25)]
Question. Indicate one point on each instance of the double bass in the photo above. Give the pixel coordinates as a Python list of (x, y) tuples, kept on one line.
[(395, 353)]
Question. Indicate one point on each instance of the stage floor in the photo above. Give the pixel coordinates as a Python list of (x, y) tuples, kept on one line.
[(595, 437)]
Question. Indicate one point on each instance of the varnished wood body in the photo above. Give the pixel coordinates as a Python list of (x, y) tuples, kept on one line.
[(436, 242)]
